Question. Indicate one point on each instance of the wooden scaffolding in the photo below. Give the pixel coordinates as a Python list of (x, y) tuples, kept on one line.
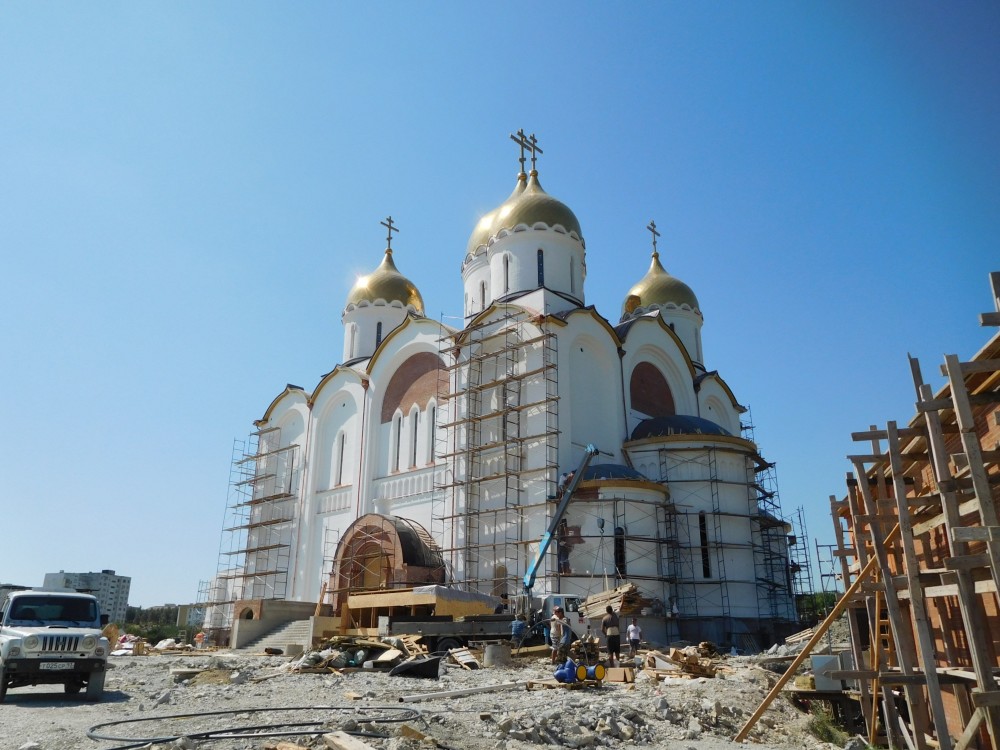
[(925, 625)]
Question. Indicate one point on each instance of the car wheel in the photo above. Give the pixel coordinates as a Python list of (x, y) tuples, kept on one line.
[(447, 644), (72, 687), (3, 684)]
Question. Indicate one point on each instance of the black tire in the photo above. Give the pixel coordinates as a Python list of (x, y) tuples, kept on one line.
[(3, 684), (73, 687), (446, 644)]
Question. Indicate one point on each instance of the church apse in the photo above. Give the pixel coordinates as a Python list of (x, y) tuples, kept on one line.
[(382, 552)]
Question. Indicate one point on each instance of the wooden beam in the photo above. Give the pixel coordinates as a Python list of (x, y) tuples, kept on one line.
[(816, 638), (976, 534), (985, 698)]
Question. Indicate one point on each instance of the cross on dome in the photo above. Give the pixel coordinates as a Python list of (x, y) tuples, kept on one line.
[(392, 228), (534, 149), (522, 140), (652, 230)]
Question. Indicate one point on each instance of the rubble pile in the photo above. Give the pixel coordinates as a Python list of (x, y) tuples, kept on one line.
[(475, 709)]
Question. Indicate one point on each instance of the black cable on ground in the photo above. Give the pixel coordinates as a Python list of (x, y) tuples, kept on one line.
[(398, 714)]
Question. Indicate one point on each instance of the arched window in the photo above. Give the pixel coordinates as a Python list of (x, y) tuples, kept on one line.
[(353, 350), (621, 562), (541, 267), (572, 275), (482, 295), (340, 459), (431, 433), (706, 558), (649, 392), (506, 274), (415, 417), (378, 334), (397, 428)]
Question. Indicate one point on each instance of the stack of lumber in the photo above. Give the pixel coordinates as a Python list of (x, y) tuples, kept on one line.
[(802, 635), (624, 600), (688, 663)]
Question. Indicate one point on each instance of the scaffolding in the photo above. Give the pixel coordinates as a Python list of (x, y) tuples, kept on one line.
[(920, 512), (772, 552), (800, 570), (255, 547), (497, 432)]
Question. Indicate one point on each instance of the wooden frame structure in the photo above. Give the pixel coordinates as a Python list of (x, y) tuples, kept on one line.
[(925, 626)]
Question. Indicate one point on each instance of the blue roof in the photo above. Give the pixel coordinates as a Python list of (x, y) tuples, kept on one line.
[(612, 471), (677, 424)]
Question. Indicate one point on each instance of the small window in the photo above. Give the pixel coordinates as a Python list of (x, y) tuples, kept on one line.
[(398, 429), (572, 275), (378, 334), (432, 436), (621, 562), (541, 268), (482, 295), (506, 274), (340, 459), (706, 559), (414, 432)]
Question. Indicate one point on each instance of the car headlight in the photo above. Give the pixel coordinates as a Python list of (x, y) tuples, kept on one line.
[(99, 651), (31, 643), (88, 642), (14, 651)]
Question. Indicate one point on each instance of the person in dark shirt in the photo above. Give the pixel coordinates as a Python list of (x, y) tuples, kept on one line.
[(609, 625)]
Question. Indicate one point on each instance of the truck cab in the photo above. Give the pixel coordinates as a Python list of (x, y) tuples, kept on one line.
[(52, 637)]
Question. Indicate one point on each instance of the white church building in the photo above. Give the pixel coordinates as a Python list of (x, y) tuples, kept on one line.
[(434, 454)]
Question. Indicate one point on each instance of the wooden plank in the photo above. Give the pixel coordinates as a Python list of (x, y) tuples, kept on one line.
[(984, 699), (817, 636), (968, 562), (344, 741), (976, 533)]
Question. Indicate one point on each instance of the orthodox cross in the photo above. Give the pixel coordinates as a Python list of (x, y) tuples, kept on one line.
[(392, 228), (534, 149), (522, 140), (652, 230)]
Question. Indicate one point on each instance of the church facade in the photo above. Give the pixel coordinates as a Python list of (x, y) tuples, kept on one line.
[(433, 454)]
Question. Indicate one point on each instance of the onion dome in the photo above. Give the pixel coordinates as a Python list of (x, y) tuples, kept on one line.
[(387, 283), (529, 204), (658, 288)]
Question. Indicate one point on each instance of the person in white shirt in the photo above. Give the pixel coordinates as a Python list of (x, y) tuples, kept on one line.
[(634, 636)]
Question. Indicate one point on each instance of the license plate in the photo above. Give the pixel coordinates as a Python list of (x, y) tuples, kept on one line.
[(56, 665)]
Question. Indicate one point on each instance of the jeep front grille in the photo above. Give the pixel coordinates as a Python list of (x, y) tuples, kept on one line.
[(60, 642)]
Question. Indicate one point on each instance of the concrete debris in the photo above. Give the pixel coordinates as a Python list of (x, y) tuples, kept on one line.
[(664, 702)]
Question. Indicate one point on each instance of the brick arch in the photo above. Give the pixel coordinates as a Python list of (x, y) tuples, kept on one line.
[(649, 392), (416, 381)]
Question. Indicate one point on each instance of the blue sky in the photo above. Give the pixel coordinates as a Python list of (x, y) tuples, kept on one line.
[(188, 190)]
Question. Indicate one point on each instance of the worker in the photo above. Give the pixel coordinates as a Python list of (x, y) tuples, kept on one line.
[(609, 625), (634, 636), (560, 633), (562, 548), (518, 630), (563, 481)]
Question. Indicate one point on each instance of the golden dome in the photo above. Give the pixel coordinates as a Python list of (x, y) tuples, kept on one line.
[(529, 204), (658, 287), (387, 283)]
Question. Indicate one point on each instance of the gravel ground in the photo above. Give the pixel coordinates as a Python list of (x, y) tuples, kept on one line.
[(681, 714)]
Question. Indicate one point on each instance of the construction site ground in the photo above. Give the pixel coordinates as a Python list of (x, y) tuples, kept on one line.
[(193, 687)]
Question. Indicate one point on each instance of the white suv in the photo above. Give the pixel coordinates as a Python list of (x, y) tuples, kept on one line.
[(53, 638)]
